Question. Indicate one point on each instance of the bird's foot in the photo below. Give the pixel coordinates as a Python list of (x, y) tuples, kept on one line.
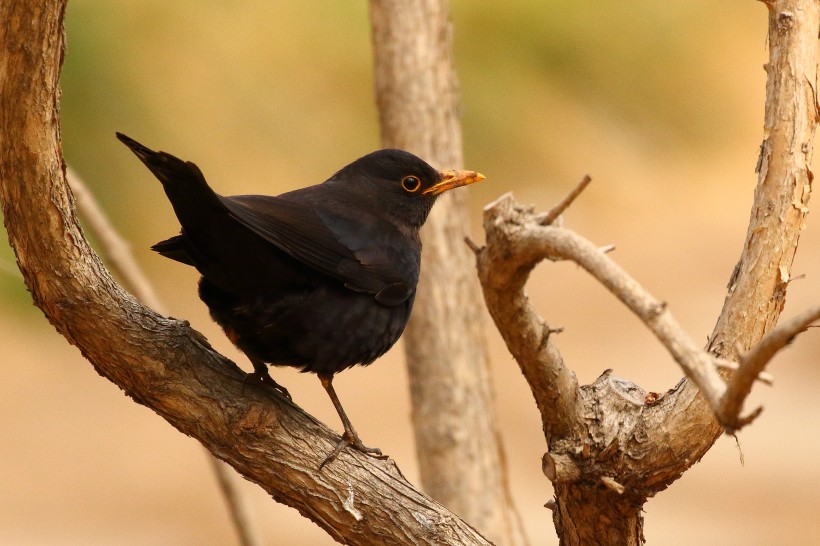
[(353, 441), (265, 378)]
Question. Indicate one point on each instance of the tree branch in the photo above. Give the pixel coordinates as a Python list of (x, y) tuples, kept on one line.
[(160, 362), (758, 285), (504, 265), (457, 442), (517, 240), (564, 204), (612, 445), (752, 365), (117, 252), (536, 242)]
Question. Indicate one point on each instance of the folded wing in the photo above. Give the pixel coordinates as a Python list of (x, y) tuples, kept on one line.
[(366, 254)]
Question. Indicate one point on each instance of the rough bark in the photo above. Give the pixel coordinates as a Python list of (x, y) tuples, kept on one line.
[(116, 252), (611, 444), (460, 457), (160, 362), (757, 286)]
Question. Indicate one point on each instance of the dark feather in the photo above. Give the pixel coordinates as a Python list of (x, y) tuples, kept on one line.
[(361, 252)]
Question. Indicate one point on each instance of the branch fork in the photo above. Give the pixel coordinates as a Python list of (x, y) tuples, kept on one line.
[(518, 238)]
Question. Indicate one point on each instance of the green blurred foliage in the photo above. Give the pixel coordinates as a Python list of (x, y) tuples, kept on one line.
[(267, 96)]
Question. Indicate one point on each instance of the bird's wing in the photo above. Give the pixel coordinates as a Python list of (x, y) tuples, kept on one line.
[(362, 253)]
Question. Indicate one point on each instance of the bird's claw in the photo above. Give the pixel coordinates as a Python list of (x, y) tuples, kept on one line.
[(348, 440), (266, 379)]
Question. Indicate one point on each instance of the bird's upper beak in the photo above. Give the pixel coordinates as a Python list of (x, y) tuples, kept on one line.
[(453, 179)]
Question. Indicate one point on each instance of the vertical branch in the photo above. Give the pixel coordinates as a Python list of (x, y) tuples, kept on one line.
[(757, 288), (453, 416)]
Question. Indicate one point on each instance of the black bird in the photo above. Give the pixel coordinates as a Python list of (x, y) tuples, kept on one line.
[(321, 278)]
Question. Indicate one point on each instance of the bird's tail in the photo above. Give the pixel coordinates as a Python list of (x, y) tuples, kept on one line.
[(193, 200)]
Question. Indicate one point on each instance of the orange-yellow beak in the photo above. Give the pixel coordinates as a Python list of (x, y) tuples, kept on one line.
[(453, 179)]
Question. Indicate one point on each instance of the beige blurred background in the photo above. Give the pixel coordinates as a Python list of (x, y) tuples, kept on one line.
[(661, 102)]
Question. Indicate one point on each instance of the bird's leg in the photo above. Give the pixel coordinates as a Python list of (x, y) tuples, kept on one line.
[(260, 374), (349, 438)]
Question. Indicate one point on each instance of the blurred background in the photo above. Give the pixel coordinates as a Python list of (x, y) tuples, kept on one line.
[(660, 102)]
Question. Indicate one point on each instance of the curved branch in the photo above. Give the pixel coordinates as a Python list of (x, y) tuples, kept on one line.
[(160, 362), (535, 242), (117, 252), (517, 234), (758, 285), (504, 266), (757, 289)]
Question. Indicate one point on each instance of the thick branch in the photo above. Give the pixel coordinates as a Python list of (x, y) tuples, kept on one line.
[(117, 253), (757, 287), (160, 362)]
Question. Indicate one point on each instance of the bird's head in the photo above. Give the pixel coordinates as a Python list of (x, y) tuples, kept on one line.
[(400, 184)]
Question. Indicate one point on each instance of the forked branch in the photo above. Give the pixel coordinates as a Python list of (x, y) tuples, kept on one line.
[(517, 235)]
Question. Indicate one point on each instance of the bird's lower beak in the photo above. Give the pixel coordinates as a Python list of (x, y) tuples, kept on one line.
[(453, 179)]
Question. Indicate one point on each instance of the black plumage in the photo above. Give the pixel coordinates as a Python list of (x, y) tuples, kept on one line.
[(321, 278)]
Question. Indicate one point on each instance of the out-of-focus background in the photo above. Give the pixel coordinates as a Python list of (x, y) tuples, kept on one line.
[(661, 102)]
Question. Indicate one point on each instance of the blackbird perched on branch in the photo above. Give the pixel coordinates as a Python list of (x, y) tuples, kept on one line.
[(321, 278)]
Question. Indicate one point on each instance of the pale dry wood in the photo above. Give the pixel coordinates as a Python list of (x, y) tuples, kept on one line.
[(117, 253), (503, 270), (612, 445), (556, 211), (763, 377), (757, 287), (518, 230), (160, 362), (457, 441)]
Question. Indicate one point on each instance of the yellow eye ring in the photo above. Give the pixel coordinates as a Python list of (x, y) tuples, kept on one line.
[(410, 183)]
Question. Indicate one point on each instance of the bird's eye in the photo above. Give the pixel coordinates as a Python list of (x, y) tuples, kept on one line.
[(410, 183)]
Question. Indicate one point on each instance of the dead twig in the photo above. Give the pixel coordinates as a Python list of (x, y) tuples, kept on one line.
[(558, 209)]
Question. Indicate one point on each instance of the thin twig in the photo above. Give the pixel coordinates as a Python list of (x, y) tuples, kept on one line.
[(117, 253), (472, 245), (752, 365), (558, 209), (114, 248)]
